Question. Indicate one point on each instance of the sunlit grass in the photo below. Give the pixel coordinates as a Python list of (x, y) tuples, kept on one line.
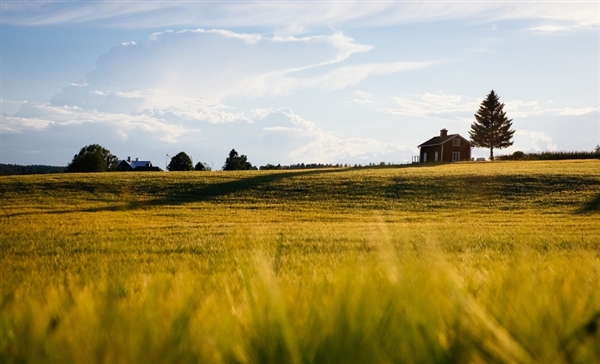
[(492, 262)]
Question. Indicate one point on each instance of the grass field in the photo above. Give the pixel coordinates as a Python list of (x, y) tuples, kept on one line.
[(468, 262)]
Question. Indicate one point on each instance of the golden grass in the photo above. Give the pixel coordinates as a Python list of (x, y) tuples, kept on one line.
[(468, 262)]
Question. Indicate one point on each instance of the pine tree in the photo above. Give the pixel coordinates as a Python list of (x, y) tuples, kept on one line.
[(491, 128)]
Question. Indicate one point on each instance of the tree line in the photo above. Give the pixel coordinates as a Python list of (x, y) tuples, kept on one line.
[(550, 156), (12, 169), (491, 129), (96, 158)]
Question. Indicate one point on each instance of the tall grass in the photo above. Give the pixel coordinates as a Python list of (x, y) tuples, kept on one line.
[(455, 263)]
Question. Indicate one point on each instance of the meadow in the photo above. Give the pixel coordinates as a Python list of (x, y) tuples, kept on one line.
[(467, 262)]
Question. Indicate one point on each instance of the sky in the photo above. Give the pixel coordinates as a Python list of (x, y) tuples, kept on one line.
[(285, 82)]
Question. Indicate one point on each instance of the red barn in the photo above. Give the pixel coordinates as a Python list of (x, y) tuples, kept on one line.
[(445, 148)]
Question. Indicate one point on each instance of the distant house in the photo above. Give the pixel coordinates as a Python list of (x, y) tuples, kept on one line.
[(128, 165), (445, 148)]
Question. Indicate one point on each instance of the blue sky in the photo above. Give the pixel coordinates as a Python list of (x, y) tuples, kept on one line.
[(291, 81)]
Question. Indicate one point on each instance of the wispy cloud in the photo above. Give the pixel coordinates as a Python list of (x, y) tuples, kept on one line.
[(262, 65), (524, 109), (459, 107), (434, 105), (248, 38), (289, 16), (351, 75)]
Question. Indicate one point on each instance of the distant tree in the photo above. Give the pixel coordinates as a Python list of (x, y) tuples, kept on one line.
[(181, 162), (492, 129), (202, 167), (93, 158), (236, 162), (270, 167), (518, 155), (597, 149)]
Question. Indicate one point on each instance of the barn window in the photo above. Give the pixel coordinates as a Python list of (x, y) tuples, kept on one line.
[(456, 142)]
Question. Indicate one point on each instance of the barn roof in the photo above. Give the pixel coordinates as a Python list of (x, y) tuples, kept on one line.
[(135, 164), (139, 165), (438, 140)]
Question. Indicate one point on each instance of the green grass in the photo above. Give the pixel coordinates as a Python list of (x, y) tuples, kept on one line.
[(468, 262)]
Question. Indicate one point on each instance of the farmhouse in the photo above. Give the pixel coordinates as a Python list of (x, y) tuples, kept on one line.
[(128, 165), (445, 148)]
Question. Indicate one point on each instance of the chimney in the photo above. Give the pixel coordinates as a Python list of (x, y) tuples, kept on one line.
[(129, 159), (444, 132), (137, 159)]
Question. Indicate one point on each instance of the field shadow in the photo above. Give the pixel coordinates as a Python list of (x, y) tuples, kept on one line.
[(189, 192), (593, 206)]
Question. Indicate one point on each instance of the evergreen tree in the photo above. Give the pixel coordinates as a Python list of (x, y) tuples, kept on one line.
[(491, 128), (181, 162), (236, 162), (93, 158)]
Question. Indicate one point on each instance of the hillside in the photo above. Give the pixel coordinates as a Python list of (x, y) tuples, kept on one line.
[(554, 185), (464, 262)]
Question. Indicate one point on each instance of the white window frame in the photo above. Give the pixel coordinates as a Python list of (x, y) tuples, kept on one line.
[(456, 142), (424, 157), (435, 156), (455, 156)]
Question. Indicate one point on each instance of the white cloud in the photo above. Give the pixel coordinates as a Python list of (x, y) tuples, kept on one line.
[(529, 140), (130, 95), (362, 98), (550, 29), (79, 84), (281, 128), (130, 43), (43, 116), (14, 124), (156, 35)]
